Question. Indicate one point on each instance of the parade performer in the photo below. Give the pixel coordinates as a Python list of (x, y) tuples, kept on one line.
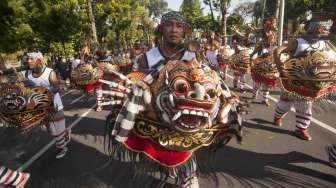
[(9, 177), (109, 65), (38, 74), (240, 61), (224, 55), (211, 47), (106, 64), (169, 108), (308, 76), (136, 51), (263, 70)]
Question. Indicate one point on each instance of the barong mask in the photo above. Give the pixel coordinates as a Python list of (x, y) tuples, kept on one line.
[(241, 62), (187, 106), (266, 67), (187, 97), (85, 74), (311, 76)]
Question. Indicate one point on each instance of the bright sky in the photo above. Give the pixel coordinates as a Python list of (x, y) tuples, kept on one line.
[(175, 4)]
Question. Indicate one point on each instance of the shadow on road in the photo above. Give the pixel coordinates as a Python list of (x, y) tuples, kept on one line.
[(270, 170), (84, 167), (259, 125)]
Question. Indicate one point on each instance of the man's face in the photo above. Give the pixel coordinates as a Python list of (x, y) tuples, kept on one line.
[(32, 62), (212, 35), (173, 32)]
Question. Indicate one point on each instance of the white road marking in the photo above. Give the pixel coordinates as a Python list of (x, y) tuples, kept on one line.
[(79, 98), (316, 121), (51, 143), (67, 93)]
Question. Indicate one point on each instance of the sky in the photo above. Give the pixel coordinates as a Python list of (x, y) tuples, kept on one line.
[(175, 4)]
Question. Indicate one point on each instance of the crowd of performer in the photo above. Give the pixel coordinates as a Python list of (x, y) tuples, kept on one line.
[(254, 52)]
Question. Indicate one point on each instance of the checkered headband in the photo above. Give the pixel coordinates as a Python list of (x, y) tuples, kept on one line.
[(172, 15)]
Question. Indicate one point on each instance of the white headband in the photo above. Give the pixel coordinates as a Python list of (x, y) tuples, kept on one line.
[(35, 55)]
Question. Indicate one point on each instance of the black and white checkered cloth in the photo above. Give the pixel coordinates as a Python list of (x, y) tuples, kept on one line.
[(132, 106)]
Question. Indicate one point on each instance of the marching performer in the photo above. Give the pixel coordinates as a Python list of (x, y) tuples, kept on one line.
[(40, 75), (212, 46), (171, 106), (107, 65), (224, 55), (172, 30), (307, 76), (136, 51), (240, 63), (263, 71)]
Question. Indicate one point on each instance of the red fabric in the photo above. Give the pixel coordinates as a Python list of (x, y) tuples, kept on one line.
[(307, 92), (155, 152), (260, 78), (90, 87), (222, 66)]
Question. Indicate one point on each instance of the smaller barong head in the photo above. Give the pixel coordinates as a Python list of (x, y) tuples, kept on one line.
[(24, 107), (311, 76)]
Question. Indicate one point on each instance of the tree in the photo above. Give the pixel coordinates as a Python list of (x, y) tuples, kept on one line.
[(277, 9), (245, 9), (15, 31), (191, 10), (224, 4), (92, 21), (157, 8), (208, 2)]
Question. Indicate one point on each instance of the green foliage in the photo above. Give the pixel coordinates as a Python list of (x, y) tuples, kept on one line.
[(61, 26), (15, 32), (191, 10), (157, 8)]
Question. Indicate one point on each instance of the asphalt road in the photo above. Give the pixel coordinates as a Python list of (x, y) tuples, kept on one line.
[(269, 156)]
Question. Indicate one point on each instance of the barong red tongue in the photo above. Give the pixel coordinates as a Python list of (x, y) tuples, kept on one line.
[(190, 120), (155, 152)]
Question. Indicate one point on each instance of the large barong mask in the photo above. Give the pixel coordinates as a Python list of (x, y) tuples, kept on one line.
[(85, 74), (311, 76), (188, 106), (24, 107)]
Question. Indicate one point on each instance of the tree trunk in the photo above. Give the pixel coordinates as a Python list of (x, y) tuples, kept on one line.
[(212, 16), (277, 9), (223, 5), (263, 11), (277, 14), (92, 21)]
